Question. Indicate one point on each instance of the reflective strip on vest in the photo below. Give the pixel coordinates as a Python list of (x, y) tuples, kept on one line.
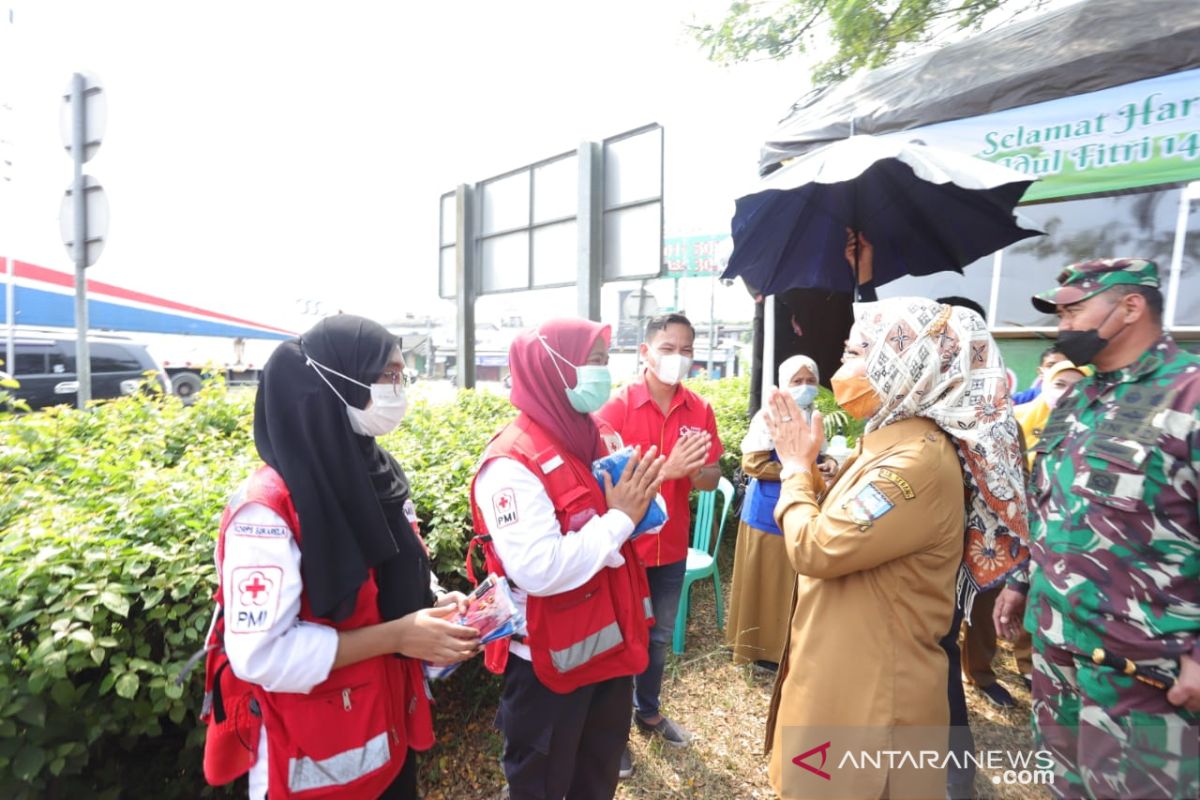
[(306, 773), (646, 604), (586, 649)]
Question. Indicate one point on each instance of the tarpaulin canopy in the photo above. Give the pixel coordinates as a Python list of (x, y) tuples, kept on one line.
[(1085, 47)]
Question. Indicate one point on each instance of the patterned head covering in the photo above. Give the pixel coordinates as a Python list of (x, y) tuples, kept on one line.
[(1080, 281), (936, 361)]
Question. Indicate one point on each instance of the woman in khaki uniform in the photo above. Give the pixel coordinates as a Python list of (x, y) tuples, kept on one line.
[(878, 555), (757, 623)]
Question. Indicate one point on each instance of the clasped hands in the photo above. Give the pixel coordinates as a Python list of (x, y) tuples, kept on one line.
[(688, 456), (797, 439)]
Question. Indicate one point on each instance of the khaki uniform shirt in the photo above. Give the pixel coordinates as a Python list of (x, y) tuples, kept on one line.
[(876, 560)]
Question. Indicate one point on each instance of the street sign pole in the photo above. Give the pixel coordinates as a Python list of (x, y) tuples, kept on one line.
[(464, 273), (8, 66), (712, 324), (10, 364), (83, 361), (590, 226), (83, 215)]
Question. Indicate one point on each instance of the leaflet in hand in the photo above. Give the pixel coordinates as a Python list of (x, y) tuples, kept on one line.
[(491, 611), (614, 464)]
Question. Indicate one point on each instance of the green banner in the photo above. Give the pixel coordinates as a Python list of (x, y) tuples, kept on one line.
[(1140, 134), (695, 256)]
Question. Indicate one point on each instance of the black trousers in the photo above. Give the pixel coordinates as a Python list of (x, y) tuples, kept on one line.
[(959, 780), (562, 745), (405, 785)]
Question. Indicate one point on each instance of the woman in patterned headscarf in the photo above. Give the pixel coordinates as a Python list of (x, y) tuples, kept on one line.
[(881, 555)]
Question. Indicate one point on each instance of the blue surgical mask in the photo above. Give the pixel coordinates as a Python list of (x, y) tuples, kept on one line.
[(804, 395), (593, 383)]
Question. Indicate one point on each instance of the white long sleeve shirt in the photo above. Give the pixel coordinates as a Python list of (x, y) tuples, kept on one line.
[(537, 557), (267, 642)]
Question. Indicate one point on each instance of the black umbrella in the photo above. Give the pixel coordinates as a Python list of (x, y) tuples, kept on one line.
[(924, 209)]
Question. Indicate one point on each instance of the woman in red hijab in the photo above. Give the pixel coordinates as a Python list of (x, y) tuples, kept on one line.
[(562, 539)]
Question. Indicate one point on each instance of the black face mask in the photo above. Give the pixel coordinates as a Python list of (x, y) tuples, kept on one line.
[(1081, 347)]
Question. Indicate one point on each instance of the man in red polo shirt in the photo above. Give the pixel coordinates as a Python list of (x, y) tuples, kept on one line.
[(658, 410)]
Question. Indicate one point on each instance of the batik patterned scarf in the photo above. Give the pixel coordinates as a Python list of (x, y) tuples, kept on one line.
[(937, 361)]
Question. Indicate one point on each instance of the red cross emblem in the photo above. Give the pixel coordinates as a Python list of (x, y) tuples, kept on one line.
[(504, 504), (255, 589)]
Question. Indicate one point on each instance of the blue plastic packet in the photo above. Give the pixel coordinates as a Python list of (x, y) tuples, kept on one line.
[(614, 464)]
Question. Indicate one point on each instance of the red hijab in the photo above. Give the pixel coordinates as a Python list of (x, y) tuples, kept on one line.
[(537, 388)]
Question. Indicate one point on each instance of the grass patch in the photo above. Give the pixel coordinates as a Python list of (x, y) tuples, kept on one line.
[(724, 706)]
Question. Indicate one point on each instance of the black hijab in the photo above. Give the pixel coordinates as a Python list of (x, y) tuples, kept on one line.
[(349, 493)]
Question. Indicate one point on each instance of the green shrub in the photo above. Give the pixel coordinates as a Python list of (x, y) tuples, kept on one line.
[(439, 447), (108, 521), (730, 400), (106, 536)]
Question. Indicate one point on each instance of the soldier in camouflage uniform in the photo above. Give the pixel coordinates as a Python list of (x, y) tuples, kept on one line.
[(1115, 539)]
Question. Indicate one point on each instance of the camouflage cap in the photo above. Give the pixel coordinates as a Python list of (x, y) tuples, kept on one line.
[(1082, 280)]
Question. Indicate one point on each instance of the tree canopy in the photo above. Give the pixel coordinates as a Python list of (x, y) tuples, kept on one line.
[(862, 33)]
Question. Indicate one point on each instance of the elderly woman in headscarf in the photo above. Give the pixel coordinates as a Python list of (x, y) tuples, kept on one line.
[(326, 590), (762, 577), (563, 541), (929, 506)]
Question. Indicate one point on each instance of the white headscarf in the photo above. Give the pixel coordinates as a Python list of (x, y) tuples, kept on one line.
[(758, 438), (936, 361), (789, 368)]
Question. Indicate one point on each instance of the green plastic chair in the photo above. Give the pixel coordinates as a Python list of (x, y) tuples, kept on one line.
[(702, 557)]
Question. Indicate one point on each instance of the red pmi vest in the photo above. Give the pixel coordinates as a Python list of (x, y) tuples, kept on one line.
[(349, 736), (597, 631)]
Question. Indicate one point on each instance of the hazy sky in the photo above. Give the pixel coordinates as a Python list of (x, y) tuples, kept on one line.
[(257, 153)]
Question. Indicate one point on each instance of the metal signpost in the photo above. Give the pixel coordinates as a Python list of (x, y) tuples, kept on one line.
[(83, 216), (579, 218), (5, 221), (8, 65)]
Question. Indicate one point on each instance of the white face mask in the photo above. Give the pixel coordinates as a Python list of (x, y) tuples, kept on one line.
[(382, 415), (672, 368)]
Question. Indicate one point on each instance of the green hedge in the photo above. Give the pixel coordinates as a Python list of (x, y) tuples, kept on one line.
[(106, 538), (730, 400), (107, 526)]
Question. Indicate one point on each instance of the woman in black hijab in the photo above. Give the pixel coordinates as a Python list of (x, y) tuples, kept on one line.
[(328, 597)]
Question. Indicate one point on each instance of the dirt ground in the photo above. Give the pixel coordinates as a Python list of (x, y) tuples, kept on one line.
[(722, 704)]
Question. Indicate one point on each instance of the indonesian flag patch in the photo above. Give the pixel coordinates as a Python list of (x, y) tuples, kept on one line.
[(504, 504)]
